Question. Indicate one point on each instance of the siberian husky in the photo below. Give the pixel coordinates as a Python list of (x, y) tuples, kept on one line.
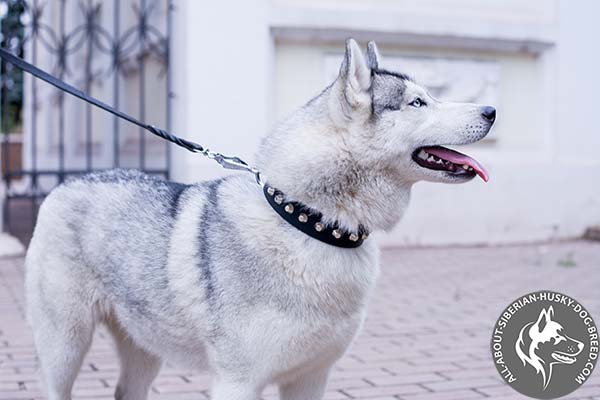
[(209, 275), (544, 343)]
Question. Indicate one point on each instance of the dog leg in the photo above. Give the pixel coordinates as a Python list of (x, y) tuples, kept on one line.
[(61, 343), (307, 387), (231, 389), (138, 367)]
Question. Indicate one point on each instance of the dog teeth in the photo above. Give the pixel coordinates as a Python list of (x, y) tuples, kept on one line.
[(430, 158), (564, 358)]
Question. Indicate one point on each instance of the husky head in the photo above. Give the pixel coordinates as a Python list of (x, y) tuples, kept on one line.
[(544, 343), (355, 150)]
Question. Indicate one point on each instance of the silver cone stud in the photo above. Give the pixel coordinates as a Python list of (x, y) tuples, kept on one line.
[(353, 237), (279, 199), (271, 191), (289, 208), (302, 217), (336, 233), (319, 227)]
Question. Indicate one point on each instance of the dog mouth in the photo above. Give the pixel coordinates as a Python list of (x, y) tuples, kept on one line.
[(454, 163), (563, 358)]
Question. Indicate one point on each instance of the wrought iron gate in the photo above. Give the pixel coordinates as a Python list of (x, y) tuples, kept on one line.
[(115, 50)]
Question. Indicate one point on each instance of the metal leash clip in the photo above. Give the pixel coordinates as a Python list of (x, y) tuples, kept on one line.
[(233, 163)]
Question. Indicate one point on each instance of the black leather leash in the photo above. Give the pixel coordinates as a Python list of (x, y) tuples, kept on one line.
[(300, 216), (227, 162)]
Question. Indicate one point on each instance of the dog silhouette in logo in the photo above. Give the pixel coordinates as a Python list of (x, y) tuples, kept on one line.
[(544, 343)]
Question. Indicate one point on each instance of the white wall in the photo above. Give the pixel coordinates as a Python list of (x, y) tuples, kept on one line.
[(544, 163), (221, 77)]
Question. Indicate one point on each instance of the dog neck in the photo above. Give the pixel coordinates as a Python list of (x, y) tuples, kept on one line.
[(327, 178), (355, 196)]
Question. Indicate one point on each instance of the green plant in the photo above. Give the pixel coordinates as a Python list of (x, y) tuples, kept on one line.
[(12, 35)]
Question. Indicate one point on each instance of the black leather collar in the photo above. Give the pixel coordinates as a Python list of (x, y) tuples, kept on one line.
[(310, 222)]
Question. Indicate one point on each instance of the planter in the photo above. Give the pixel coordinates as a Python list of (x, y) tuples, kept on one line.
[(11, 154)]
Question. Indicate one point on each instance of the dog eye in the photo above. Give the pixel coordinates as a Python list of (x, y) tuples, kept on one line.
[(558, 339), (417, 103)]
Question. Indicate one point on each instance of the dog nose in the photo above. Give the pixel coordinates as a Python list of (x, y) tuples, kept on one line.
[(489, 113)]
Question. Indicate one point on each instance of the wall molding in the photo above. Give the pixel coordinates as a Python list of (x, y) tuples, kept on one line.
[(516, 33)]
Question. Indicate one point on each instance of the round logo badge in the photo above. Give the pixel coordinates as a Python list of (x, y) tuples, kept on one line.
[(545, 345)]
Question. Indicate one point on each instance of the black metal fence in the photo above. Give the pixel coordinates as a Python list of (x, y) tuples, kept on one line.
[(115, 50)]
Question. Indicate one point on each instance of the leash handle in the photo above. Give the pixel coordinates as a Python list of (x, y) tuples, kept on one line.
[(227, 162)]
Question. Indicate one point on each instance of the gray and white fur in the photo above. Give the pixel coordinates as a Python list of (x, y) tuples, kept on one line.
[(209, 276)]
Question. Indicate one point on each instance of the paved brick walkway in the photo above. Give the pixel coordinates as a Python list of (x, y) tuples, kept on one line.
[(426, 337)]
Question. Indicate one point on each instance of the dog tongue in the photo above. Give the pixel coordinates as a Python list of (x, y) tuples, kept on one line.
[(458, 158)]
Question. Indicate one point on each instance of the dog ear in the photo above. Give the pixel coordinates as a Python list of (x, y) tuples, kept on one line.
[(544, 318), (373, 55), (354, 74)]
